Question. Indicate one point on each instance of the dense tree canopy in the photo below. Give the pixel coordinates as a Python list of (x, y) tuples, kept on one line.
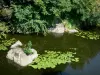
[(30, 16)]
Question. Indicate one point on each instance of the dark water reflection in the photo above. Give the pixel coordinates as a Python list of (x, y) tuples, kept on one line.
[(87, 50)]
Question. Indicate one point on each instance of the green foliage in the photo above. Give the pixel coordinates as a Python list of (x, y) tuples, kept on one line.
[(52, 58), (31, 16), (42, 6), (6, 12), (27, 20), (28, 48), (54, 7), (35, 17), (88, 11), (3, 30), (4, 42), (29, 44), (69, 24), (28, 51), (88, 35)]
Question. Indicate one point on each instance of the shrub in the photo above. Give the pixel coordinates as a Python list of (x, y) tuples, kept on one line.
[(28, 48), (27, 20), (4, 42), (31, 16), (88, 11)]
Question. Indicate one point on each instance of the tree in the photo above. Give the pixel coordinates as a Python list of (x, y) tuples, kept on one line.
[(89, 11), (27, 20)]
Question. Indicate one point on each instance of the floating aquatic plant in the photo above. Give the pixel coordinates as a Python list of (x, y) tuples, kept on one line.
[(88, 35), (52, 58), (5, 43)]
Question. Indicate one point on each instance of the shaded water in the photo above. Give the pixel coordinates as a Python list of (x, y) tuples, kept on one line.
[(87, 50)]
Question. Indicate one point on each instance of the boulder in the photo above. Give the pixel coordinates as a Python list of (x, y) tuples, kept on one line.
[(58, 29), (18, 43), (19, 57)]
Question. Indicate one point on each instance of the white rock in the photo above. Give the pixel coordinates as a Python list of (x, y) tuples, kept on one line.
[(72, 31), (18, 43), (19, 57), (58, 29)]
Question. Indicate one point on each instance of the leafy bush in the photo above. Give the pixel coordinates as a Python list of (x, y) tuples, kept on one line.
[(3, 30), (54, 7), (4, 42), (52, 58), (6, 12), (69, 24), (31, 16), (27, 20), (28, 48), (88, 11), (34, 17)]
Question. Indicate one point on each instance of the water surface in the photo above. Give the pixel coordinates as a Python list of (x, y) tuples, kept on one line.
[(87, 50)]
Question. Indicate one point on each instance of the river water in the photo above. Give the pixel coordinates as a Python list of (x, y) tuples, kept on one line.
[(88, 52)]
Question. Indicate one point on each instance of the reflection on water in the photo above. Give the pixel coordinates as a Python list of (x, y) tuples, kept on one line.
[(56, 73), (90, 68), (87, 51)]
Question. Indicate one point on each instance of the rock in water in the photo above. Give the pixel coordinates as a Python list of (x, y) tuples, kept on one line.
[(72, 31), (58, 30), (19, 57), (18, 43)]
